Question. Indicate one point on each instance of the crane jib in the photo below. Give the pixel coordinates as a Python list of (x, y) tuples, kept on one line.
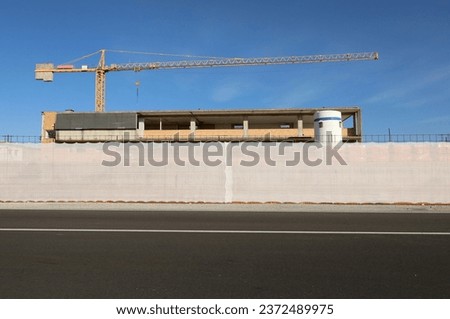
[(45, 71), (243, 61)]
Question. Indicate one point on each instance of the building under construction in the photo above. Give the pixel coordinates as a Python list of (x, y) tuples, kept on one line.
[(293, 124), (296, 124)]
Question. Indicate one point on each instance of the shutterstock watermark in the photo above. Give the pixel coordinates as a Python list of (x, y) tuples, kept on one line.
[(212, 154)]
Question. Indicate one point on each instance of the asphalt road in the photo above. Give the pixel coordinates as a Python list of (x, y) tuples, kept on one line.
[(126, 254)]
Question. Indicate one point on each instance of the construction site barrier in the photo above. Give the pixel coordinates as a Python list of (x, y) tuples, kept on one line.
[(226, 172)]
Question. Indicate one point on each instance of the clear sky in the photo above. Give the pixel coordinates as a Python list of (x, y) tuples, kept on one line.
[(407, 90)]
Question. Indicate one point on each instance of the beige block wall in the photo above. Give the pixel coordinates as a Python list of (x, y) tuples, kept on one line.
[(184, 134), (345, 132), (166, 134), (48, 124), (225, 133), (49, 121), (291, 132), (171, 134), (308, 132), (216, 133)]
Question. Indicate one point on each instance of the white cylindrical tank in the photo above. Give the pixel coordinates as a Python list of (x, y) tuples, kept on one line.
[(328, 126)]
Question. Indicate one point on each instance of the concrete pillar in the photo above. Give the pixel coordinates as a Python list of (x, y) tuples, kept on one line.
[(141, 124), (193, 125), (160, 124), (43, 131), (245, 126), (300, 125), (359, 129), (357, 125), (141, 127)]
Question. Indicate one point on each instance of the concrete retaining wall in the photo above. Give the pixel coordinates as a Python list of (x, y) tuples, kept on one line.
[(226, 172)]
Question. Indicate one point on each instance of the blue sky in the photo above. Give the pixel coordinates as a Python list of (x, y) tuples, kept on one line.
[(407, 90)]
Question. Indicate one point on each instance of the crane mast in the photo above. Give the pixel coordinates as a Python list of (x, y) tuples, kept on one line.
[(45, 71), (100, 84)]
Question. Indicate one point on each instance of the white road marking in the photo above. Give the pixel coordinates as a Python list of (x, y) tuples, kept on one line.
[(218, 231)]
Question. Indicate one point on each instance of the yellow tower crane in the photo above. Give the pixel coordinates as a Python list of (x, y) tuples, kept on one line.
[(45, 71)]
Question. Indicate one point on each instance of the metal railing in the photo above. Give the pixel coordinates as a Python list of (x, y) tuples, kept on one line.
[(375, 138), (405, 138), (20, 139), (379, 138)]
